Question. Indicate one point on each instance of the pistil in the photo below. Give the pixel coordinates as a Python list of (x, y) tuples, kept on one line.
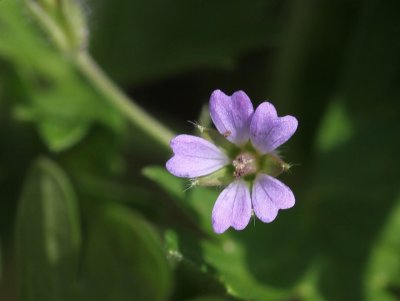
[(244, 164)]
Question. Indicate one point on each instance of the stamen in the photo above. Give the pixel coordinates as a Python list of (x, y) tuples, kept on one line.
[(244, 164)]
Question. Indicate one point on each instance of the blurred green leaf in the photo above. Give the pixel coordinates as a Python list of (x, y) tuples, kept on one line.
[(177, 191), (336, 127), (48, 235), (345, 203), (354, 187), (96, 189), (208, 298), (1, 262), (382, 281), (107, 160), (60, 136), (227, 254), (309, 63), (180, 36), (338, 73), (172, 185), (63, 21), (55, 97), (124, 258), (228, 257), (192, 276), (340, 66), (224, 255)]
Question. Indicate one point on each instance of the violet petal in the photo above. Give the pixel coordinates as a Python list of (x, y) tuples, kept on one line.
[(268, 196), (231, 115), (268, 131), (232, 208), (194, 157)]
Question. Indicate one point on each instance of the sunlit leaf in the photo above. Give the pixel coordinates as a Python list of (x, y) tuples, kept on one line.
[(335, 129), (382, 281)]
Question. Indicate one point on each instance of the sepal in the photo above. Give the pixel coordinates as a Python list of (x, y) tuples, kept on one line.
[(272, 165), (221, 177), (215, 137)]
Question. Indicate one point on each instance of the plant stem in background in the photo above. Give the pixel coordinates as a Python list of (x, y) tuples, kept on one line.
[(122, 102)]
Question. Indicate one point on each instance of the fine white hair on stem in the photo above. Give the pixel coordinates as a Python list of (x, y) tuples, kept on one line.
[(190, 184), (289, 170), (197, 125)]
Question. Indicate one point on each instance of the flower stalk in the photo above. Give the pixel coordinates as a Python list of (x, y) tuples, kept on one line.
[(65, 24), (121, 101)]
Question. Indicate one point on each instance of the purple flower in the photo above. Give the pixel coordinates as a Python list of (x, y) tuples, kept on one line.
[(248, 162)]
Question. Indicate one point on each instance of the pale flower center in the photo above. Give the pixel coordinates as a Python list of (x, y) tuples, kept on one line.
[(245, 164)]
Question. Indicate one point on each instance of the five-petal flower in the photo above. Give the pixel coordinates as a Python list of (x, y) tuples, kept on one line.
[(255, 135)]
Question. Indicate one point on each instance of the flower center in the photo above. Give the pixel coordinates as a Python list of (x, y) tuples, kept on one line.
[(244, 164)]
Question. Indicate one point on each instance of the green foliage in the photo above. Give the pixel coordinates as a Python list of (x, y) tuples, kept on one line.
[(103, 220), (48, 235), (220, 251), (171, 184), (335, 129), (208, 298), (124, 258), (181, 35), (382, 277), (55, 97), (1, 263)]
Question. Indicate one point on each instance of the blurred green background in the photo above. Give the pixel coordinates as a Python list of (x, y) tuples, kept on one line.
[(87, 210)]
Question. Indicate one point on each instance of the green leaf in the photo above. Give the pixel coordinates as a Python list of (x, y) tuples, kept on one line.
[(192, 277), (382, 281), (237, 278), (124, 258), (355, 187), (60, 136), (174, 186), (208, 298), (64, 22), (54, 96), (182, 35), (48, 235), (249, 263), (309, 62), (336, 127), (1, 262), (177, 190), (225, 256)]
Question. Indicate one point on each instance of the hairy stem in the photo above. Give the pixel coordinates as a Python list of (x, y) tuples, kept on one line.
[(123, 103)]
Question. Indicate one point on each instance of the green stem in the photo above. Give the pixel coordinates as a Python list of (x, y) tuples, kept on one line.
[(122, 102)]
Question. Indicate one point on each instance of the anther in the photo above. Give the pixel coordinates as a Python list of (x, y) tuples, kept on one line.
[(244, 165)]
